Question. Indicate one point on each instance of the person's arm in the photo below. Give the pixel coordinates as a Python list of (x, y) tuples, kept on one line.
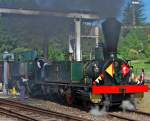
[(24, 80)]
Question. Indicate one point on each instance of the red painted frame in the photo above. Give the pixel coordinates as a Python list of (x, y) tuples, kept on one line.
[(119, 89)]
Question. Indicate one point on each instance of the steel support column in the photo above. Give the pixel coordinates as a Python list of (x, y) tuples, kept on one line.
[(5, 72), (78, 39), (97, 35)]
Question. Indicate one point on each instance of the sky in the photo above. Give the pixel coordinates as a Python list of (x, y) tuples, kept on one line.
[(147, 9)]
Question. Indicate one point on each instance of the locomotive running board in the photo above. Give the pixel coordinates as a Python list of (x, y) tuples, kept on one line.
[(119, 89)]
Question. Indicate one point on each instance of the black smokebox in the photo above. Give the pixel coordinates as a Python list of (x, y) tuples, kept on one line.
[(111, 30)]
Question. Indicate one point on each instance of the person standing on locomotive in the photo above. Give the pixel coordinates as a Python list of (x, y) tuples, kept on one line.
[(40, 63)]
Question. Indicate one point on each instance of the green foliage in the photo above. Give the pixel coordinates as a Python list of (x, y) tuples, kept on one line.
[(7, 40), (55, 54), (139, 64), (132, 47)]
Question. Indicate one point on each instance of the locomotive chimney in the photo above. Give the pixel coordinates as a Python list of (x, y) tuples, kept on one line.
[(111, 30)]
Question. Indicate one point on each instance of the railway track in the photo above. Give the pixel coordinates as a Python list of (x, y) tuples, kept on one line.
[(30, 113), (131, 115)]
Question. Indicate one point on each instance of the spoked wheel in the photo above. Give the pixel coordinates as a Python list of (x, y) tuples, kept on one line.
[(86, 105), (69, 99), (34, 91)]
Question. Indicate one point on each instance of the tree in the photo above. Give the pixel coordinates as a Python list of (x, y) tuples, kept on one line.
[(133, 13), (133, 46), (7, 40), (55, 54)]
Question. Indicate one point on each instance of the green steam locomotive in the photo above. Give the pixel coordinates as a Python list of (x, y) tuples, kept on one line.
[(107, 78)]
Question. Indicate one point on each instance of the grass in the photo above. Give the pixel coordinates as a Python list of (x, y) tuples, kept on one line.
[(139, 64)]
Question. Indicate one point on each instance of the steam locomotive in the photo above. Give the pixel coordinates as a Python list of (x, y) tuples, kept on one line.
[(106, 78)]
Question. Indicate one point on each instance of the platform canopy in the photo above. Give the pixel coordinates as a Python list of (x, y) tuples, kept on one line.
[(78, 17), (88, 16)]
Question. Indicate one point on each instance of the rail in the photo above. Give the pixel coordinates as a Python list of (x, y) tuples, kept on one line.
[(39, 110), (131, 115), (121, 117), (16, 115)]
